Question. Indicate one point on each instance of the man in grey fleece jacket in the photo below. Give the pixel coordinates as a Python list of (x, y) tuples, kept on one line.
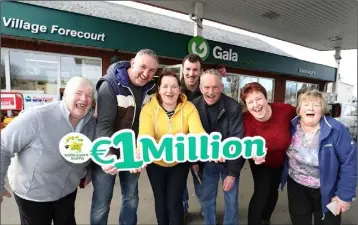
[(44, 183)]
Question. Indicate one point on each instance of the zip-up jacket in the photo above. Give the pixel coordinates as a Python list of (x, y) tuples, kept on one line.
[(40, 173), (229, 123), (116, 105), (155, 122), (337, 161)]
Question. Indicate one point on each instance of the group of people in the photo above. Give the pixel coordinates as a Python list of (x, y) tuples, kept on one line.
[(306, 148)]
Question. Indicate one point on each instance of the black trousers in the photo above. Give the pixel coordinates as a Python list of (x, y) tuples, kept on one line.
[(61, 212), (265, 196), (305, 203), (168, 184)]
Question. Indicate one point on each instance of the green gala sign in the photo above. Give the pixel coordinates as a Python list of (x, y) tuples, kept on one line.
[(198, 45), (19, 19)]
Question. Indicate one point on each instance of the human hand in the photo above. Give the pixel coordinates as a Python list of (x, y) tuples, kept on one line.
[(259, 160), (88, 180), (4, 193), (342, 206), (228, 183), (195, 168), (110, 169), (220, 160), (138, 170)]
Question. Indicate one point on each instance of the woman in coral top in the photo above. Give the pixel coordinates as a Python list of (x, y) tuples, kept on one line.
[(272, 122), (169, 112)]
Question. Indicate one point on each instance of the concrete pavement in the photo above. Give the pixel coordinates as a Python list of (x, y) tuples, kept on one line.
[(146, 214)]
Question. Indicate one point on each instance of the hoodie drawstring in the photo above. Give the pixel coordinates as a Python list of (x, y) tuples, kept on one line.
[(181, 119), (156, 120), (169, 121)]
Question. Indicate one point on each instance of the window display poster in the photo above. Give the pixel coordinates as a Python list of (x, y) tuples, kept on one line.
[(31, 100), (8, 101)]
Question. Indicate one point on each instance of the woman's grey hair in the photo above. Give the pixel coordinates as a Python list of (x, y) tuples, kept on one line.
[(211, 72), (148, 52), (313, 94), (75, 81)]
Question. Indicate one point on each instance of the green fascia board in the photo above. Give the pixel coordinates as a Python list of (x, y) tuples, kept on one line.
[(110, 34)]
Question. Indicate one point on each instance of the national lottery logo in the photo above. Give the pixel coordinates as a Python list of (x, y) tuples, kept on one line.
[(199, 46), (75, 148)]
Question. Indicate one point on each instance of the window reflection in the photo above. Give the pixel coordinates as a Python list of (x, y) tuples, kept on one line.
[(268, 84), (236, 82), (33, 72), (291, 91), (82, 67), (2, 71), (294, 89)]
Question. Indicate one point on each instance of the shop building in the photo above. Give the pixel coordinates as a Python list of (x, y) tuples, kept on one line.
[(44, 44)]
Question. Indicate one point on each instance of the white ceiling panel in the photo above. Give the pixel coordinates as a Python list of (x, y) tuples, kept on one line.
[(321, 25)]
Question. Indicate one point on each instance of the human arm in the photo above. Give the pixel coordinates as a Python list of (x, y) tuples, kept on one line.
[(87, 179), (146, 127), (106, 119), (346, 152), (146, 124), (106, 113), (236, 129), (16, 137), (195, 127), (291, 110), (194, 122)]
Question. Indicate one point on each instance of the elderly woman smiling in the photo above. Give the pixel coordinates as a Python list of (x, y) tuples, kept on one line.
[(321, 164)]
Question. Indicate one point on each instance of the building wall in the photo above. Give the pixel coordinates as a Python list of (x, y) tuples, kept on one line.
[(344, 92)]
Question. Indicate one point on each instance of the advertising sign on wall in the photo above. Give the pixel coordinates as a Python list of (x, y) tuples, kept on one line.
[(32, 100), (8, 101), (26, 20)]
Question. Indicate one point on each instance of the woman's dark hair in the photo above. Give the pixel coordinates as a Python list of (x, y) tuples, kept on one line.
[(167, 73)]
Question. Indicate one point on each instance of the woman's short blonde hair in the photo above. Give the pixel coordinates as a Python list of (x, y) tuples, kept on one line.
[(313, 94)]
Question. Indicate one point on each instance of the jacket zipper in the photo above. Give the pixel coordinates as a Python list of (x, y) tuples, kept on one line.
[(220, 114), (135, 104)]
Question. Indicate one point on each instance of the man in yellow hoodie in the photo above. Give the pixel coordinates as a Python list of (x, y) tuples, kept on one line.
[(169, 112)]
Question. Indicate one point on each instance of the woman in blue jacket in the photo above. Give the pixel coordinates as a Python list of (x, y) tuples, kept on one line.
[(321, 164)]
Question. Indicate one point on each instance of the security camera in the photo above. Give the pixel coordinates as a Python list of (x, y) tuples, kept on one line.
[(193, 16), (337, 57)]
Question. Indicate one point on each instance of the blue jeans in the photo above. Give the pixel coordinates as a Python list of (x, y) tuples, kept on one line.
[(102, 195), (211, 177), (197, 188)]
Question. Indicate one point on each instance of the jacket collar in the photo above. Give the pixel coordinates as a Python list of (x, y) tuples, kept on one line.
[(325, 126), (221, 104), (117, 74), (66, 114)]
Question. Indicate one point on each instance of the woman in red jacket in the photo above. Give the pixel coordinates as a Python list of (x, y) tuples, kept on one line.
[(272, 122)]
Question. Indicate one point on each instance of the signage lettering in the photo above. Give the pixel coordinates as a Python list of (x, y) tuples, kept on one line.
[(308, 72), (8, 101), (173, 148), (198, 45), (219, 53), (55, 29)]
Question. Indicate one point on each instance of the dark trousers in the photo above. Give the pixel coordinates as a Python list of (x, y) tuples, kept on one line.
[(61, 212), (168, 184), (305, 202), (264, 199)]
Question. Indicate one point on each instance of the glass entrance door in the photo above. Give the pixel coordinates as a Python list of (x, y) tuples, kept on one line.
[(177, 68)]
